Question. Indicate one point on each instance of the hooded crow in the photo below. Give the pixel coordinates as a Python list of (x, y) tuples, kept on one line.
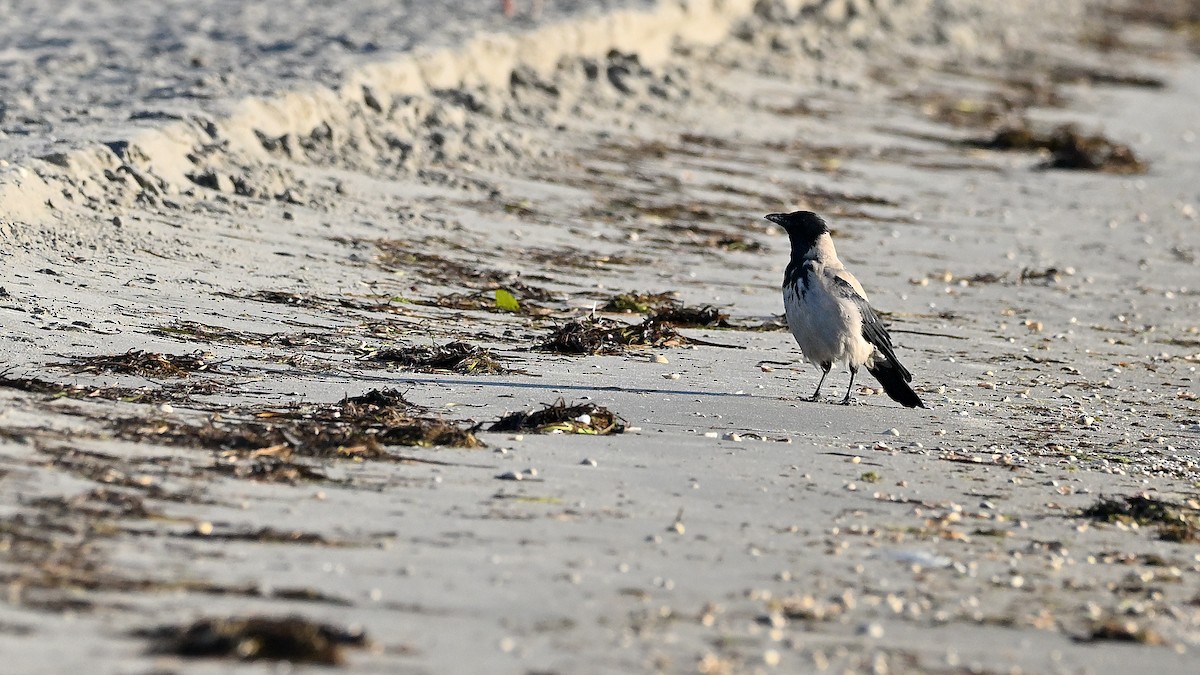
[(828, 313)]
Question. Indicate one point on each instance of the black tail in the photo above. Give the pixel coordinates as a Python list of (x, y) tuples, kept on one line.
[(895, 379)]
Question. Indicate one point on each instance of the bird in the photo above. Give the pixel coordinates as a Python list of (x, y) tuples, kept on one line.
[(828, 313)]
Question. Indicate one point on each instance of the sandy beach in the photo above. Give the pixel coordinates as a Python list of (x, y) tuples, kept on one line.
[(408, 338)]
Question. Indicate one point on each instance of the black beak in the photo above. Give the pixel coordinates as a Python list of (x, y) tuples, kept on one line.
[(775, 218)]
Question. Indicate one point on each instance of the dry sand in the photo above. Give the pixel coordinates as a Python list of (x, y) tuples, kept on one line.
[(279, 220)]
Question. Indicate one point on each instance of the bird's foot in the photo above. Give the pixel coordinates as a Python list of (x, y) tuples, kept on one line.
[(811, 399), (849, 401)]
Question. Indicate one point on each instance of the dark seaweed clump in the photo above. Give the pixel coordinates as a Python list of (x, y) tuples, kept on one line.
[(146, 364), (682, 316), (664, 308), (278, 445), (582, 418), (279, 298), (638, 303), (1120, 630), (455, 357), (35, 385), (294, 639), (194, 331), (1068, 148), (1175, 522), (599, 335)]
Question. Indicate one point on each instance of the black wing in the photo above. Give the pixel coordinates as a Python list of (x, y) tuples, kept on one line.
[(873, 330)]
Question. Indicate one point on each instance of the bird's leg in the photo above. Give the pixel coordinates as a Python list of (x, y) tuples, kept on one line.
[(848, 400), (817, 393)]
